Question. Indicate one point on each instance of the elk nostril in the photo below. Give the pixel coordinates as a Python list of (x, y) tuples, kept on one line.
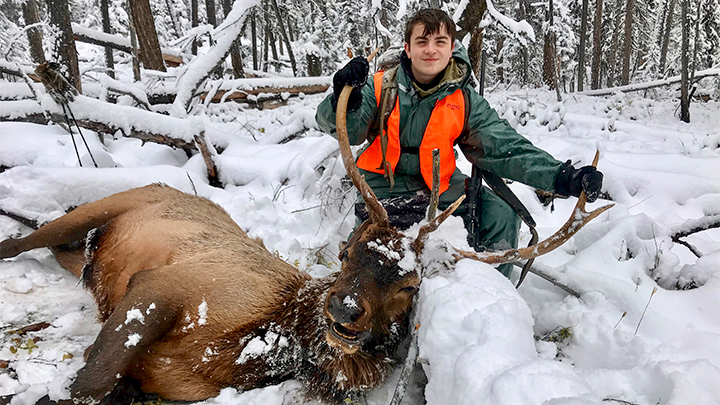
[(345, 310), (355, 313)]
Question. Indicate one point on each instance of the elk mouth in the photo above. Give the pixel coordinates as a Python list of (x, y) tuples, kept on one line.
[(343, 338)]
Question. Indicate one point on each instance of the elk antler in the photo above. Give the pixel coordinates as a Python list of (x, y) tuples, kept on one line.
[(377, 213), (577, 220)]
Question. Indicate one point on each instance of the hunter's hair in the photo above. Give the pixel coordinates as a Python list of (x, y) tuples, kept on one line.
[(432, 19)]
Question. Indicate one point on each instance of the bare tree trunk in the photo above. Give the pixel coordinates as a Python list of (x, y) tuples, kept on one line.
[(684, 83), (64, 47), (499, 60), (35, 35), (194, 22), (666, 36), (109, 61), (549, 57), (627, 42), (523, 11), (273, 48), (697, 42), (210, 11), (253, 29), (469, 24), (597, 47), (583, 36), (284, 34), (135, 50), (266, 47), (171, 13), (235, 55), (612, 58), (150, 53)]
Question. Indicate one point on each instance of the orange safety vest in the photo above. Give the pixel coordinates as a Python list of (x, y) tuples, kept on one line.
[(444, 127)]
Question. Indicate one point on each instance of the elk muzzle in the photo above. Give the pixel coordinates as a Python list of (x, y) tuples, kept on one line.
[(349, 320)]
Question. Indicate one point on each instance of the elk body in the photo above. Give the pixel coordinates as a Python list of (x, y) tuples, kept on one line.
[(191, 304)]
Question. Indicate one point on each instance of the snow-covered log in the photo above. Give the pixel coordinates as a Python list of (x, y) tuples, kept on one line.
[(240, 89), (199, 68), (649, 85), (108, 118)]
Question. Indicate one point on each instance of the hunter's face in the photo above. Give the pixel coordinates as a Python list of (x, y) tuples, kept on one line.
[(429, 53)]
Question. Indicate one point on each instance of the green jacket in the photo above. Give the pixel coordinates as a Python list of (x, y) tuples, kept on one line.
[(491, 142)]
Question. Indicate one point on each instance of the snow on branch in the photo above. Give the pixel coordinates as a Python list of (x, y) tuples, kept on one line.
[(114, 41), (651, 84), (199, 68), (694, 226)]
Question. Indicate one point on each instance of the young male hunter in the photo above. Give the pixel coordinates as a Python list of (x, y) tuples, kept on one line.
[(436, 107)]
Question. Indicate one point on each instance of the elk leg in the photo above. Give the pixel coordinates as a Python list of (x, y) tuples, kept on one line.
[(124, 337), (75, 224)]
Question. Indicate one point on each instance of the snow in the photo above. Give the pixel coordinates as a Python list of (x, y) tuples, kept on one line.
[(202, 313), (133, 340), (480, 339)]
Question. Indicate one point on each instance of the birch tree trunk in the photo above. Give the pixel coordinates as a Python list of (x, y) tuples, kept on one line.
[(684, 83), (150, 54), (597, 47), (64, 47), (627, 42), (583, 36), (35, 35)]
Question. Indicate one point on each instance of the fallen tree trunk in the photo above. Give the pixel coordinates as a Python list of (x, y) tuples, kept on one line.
[(649, 85), (237, 94)]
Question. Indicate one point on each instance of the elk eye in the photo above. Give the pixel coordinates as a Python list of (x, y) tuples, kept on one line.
[(409, 290)]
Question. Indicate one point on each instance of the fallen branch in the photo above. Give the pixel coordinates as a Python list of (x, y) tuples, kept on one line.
[(694, 226), (649, 85), (212, 170)]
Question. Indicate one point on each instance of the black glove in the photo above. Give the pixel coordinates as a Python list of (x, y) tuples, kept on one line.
[(572, 181), (355, 74)]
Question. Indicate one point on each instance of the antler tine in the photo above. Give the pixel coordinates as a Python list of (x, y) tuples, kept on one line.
[(375, 210), (425, 230), (577, 220)]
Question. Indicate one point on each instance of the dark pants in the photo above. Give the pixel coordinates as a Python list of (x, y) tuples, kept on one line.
[(499, 225)]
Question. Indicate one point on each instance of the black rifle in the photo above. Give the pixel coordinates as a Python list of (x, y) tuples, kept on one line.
[(474, 184)]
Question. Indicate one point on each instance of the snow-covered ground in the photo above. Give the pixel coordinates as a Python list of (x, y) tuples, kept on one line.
[(634, 336)]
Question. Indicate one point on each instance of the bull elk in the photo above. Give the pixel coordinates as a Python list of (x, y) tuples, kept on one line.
[(190, 304)]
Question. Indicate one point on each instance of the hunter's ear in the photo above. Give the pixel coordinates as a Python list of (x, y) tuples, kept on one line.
[(407, 50)]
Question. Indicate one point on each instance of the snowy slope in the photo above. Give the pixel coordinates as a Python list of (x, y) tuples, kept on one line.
[(477, 332)]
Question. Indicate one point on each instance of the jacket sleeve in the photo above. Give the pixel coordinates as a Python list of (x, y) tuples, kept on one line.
[(493, 145), (358, 121)]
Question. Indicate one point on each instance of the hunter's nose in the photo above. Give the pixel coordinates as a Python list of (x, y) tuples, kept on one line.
[(346, 309)]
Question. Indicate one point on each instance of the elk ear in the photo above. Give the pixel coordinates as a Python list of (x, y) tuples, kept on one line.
[(353, 239)]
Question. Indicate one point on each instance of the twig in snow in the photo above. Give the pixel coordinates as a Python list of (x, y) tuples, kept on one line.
[(192, 183), (646, 307), (620, 320)]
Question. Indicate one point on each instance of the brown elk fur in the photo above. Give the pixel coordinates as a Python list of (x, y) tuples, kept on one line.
[(156, 259)]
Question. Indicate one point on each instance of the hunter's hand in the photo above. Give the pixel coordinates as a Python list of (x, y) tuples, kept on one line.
[(572, 181), (355, 74)]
